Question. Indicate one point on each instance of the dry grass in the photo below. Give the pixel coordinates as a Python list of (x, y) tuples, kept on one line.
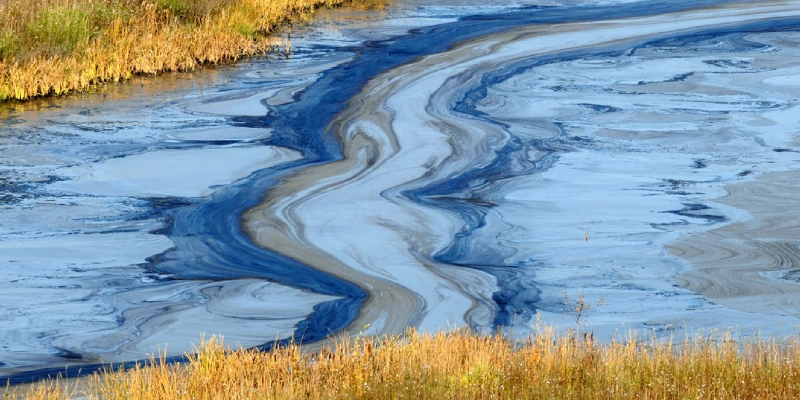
[(462, 365), (52, 47)]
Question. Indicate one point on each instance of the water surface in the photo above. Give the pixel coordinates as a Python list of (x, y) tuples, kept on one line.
[(431, 165)]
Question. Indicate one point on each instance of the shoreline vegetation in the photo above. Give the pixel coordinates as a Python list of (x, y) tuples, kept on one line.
[(461, 365), (55, 47)]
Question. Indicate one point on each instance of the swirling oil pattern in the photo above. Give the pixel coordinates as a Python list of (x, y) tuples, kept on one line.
[(432, 165)]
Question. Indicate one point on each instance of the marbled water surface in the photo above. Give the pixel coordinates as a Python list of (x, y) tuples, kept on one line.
[(432, 165)]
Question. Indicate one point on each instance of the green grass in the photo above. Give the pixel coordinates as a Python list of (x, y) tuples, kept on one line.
[(61, 29)]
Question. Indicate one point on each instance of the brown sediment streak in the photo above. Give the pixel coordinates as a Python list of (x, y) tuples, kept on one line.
[(742, 265), (284, 234), (275, 224)]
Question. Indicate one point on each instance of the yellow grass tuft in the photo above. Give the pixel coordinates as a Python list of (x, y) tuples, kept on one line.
[(464, 365), (52, 47)]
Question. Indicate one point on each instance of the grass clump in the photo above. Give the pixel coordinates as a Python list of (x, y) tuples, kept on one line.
[(464, 365), (52, 47), (62, 29)]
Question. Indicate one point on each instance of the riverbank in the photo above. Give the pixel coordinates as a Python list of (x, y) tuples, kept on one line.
[(464, 365), (54, 47)]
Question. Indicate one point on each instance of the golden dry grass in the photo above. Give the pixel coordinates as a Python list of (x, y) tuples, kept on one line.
[(52, 47), (463, 365)]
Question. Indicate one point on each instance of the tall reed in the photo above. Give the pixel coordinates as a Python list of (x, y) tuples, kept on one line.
[(52, 47), (464, 365)]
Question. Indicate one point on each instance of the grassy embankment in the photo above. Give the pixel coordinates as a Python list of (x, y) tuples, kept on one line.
[(461, 365), (52, 47)]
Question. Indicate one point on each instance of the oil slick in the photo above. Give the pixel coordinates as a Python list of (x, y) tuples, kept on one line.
[(448, 176)]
